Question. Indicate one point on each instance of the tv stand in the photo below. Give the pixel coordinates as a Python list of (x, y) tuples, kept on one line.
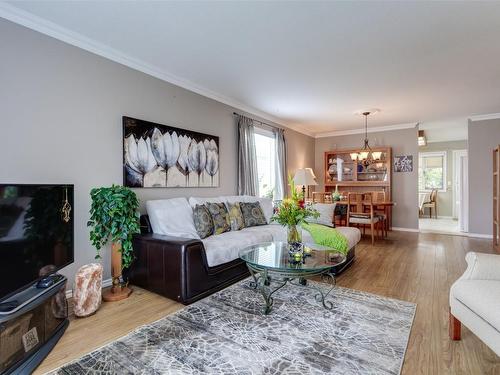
[(31, 323), (7, 307)]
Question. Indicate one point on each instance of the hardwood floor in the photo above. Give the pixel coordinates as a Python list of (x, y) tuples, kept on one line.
[(409, 266), (112, 321)]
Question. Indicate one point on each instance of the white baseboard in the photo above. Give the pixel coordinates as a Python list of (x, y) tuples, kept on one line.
[(433, 217), (479, 235), (399, 229), (105, 284)]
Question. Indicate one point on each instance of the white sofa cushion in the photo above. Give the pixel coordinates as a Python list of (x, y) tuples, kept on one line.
[(480, 296), (172, 217), (225, 247), (193, 201), (234, 198), (326, 211)]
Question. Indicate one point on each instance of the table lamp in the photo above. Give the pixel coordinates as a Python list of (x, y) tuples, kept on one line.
[(304, 177)]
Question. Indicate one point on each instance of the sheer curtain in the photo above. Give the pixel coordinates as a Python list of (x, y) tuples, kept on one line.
[(248, 183), (280, 165)]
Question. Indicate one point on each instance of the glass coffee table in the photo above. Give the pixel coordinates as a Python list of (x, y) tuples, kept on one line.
[(272, 267)]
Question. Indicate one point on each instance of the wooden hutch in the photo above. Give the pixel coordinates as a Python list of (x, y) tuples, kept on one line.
[(349, 175)]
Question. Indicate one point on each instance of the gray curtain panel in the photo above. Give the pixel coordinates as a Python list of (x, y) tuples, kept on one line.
[(248, 183), (281, 167)]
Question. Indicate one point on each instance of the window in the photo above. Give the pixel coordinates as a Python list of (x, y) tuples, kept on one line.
[(432, 171), (266, 162)]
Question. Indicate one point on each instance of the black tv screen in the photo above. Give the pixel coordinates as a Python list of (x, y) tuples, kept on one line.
[(36, 233)]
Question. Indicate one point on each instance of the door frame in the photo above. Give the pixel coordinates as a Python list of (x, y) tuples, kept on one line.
[(461, 195)]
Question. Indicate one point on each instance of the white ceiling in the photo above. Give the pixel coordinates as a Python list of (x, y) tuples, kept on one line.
[(309, 65)]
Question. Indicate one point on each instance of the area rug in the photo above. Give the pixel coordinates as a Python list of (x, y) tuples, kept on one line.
[(227, 333)]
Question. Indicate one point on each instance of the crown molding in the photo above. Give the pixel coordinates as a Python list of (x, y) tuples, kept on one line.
[(387, 128), (41, 25), (489, 116)]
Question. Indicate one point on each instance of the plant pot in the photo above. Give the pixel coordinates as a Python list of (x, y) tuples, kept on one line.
[(117, 291)]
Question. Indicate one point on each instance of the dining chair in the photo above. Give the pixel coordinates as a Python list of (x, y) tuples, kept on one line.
[(380, 211), (431, 204), (322, 197), (356, 214)]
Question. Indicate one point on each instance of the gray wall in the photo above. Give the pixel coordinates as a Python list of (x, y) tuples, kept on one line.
[(445, 199), (62, 109), (483, 137), (404, 185)]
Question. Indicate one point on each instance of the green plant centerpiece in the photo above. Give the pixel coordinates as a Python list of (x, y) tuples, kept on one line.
[(114, 216), (291, 213)]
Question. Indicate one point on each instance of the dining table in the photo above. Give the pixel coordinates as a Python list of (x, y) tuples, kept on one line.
[(385, 206)]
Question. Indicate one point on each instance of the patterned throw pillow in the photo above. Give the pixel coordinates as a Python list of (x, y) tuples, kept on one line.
[(235, 216), (220, 217), (203, 221), (252, 214)]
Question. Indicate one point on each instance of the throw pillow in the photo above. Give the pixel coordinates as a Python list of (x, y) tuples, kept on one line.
[(235, 216), (161, 213), (220, 216), (266, 205), (252, 214), (203, 221), (326, 212)]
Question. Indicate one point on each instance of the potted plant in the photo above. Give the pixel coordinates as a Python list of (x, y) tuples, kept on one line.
[(291, 213), (114, 216)]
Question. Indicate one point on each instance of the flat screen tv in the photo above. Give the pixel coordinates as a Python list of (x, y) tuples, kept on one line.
[(36, 233)]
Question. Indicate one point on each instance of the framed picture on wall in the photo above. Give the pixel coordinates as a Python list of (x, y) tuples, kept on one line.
[(403, 163), (156, 155)]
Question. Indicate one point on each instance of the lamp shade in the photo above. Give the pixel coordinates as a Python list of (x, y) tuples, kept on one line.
[(363, 155), (304, 177)]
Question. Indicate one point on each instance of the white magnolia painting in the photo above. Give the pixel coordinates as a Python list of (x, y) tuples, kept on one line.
[(157, 155)]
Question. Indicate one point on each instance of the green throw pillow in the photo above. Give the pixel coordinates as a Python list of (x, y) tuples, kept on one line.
[(203, 221), (220, 216), (252, 214), (235, 216)]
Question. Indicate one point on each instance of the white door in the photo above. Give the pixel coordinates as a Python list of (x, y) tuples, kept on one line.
[(461, 189)]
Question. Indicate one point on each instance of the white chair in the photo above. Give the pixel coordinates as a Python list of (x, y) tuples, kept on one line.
[(475, 300)]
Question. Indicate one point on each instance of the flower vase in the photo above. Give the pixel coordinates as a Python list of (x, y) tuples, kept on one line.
[(294, 238)]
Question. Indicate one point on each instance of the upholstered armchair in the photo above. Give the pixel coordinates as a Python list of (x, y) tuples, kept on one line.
[(475, 300)]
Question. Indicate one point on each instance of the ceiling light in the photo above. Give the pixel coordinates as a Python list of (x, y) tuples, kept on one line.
[(366, 152)]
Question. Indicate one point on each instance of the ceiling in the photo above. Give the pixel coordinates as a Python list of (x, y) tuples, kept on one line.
[(307, 65)]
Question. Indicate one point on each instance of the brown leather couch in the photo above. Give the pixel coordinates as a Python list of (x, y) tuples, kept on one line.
[(177, 267)]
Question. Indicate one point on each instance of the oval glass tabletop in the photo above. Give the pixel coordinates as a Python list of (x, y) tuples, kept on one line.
[(275, 256)]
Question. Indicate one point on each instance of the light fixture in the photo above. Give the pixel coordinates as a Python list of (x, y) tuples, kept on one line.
[(422, 141), (366, 152), (376, 155)]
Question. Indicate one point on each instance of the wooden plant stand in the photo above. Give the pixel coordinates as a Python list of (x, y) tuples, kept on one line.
[(117, 292)]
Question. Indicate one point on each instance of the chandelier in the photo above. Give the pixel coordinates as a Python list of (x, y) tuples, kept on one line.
[(366, 152)]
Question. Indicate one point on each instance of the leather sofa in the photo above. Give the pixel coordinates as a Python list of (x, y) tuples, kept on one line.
[(188, 269), (475, 300)]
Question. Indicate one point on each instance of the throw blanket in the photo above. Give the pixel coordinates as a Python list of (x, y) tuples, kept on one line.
[(327, 236)]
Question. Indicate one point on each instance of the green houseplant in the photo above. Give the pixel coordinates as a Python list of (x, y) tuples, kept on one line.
[(114, 216), (292, 212)]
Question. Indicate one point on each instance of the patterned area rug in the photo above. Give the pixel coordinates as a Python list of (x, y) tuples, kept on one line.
[(227, 333)]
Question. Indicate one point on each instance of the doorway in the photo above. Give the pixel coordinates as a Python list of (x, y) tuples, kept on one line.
[(461, 189), (443, 188)]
